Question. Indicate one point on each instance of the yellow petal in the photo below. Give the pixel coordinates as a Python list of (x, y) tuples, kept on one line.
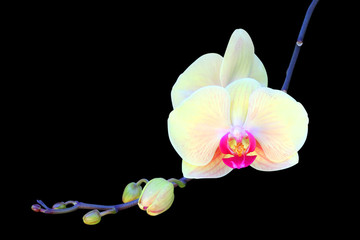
[(261, 163), (205, 71), (238, 58), (240, 92), (258, 72), (214, 169), (278, 123), (198, 123)]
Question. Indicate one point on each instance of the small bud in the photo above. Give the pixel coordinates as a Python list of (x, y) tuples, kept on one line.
[(59, 205), (92, 218), (131, 192), (157, 196), (36, 207)]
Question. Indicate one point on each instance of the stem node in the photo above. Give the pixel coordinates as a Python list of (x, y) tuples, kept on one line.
[(299, 43)]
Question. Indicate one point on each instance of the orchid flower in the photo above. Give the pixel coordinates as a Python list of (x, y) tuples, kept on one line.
[(225, 117)]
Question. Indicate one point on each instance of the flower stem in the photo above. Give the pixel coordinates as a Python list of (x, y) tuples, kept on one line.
[(179, 182), (298, 44), (143, 180), (108, 208)]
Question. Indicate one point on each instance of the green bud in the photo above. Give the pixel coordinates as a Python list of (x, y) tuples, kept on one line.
[(131, 192), (92, 218), (59, 205), (157, 197)]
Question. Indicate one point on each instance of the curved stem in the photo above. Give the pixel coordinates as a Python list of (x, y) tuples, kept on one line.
[(298, 44), (143, 180), (179, 182)]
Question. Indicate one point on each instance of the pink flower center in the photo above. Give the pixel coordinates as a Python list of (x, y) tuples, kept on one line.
[(238, 145)]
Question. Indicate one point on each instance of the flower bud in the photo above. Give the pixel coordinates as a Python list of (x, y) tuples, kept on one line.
[(36, 207), (93, 217), (59, 205), (157, 196), (131, 192)]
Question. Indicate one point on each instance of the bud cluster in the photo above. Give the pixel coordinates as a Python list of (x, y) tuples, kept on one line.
[(155, 198)]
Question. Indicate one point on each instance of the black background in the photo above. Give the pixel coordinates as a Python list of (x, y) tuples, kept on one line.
[(93, 92)]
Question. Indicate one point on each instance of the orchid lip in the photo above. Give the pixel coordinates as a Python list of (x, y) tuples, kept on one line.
[(238, 143), (239, 162)]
